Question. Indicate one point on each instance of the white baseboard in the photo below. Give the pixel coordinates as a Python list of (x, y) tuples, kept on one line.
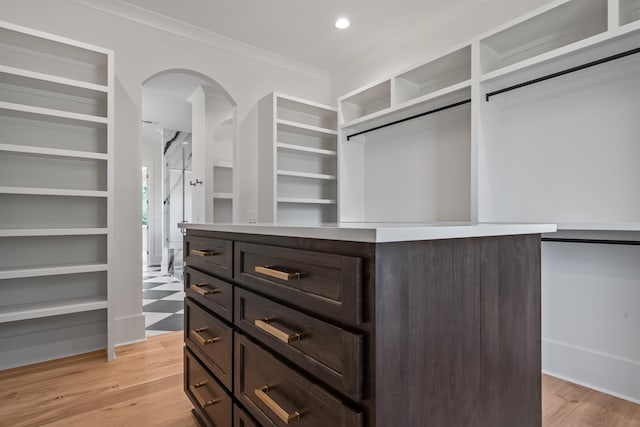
[(608, 374), (128, 329)]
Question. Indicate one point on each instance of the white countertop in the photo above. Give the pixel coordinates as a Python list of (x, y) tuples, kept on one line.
[(381, 232)]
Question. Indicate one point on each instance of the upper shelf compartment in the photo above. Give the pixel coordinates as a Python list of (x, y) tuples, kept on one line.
[(365, 102), (291, 109), (29, 50), (433, 76), (629, 11), (563, 25), (436, 85)]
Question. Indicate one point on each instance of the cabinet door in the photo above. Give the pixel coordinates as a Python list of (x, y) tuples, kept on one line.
[(209, 398), (327, 284), (277, 396), (214, 256), (332, 354), (210, 339), (214, 294)]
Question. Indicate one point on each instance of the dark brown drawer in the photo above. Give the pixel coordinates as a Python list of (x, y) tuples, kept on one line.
[(241, 418), (275, 394), (326, 351), (215, 294), (209, 398), (211, 340), (327, 284), (211, 255)]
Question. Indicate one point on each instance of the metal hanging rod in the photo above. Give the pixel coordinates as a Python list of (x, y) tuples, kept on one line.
[(446, 107), (594, 241), (562, 73)]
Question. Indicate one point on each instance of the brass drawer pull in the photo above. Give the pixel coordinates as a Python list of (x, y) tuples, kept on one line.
[(202, 340), (203, 252), (266, 326), (277, 272), (199, 289), (203, 403), (286, 417)]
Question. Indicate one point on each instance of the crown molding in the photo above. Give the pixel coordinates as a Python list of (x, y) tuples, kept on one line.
[(142, 16)]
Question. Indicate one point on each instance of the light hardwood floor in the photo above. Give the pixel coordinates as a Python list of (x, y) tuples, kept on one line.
[(143, 387)]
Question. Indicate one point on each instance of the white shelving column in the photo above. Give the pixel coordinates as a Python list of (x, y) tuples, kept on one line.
[(56, 183), (405, 144), (298, 161), (223, 172)]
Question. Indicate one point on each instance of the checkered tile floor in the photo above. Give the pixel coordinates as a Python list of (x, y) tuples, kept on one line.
[(162, 302)]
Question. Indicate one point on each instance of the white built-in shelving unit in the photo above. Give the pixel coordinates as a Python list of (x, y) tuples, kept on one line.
[(418, 170), (298, 161), (534, 121), (56, 98), (223, 172)]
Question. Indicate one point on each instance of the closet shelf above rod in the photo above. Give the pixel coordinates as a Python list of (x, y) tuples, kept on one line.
[(446, 107), (567, 71), (593, 241)]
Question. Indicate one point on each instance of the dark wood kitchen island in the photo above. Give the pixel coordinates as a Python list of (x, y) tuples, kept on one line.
[(364, 324)]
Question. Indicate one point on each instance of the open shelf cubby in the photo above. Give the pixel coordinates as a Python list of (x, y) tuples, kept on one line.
[(48, 54), (433, 76), (629, 11), (365, 102), (570, 22)]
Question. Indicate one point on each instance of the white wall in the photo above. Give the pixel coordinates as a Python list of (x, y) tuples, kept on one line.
[(422, 42), (140, 52)]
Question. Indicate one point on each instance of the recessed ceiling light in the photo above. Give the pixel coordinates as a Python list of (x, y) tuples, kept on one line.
[(342, 23)]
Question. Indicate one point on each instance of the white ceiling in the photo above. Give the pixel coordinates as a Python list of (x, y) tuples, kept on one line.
[(303, 29)]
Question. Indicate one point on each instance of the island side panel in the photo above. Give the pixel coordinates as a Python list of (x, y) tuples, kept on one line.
[(428, 333), (434, 302), (511, 331)]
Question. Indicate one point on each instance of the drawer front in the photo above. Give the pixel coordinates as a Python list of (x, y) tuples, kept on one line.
[(276, 395), (241, 418), (208, 397), (211, 340), (327, 284), (326, 351), (215, 294), (211, 255)]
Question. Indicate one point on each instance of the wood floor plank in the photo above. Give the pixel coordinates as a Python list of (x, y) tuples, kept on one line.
[(143, 387)]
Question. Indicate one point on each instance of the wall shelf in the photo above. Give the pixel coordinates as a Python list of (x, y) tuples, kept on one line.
[(307, 175), (303, 128), (52, 192), (444, 97), (50, 308), (53, 152), (307, 150), (223, 164), (52, 113), (18, 273), (52, 232), (4, 69), (307, 201), (223, 195)]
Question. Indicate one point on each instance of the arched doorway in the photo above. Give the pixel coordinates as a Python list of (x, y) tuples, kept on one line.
[(189, 134)]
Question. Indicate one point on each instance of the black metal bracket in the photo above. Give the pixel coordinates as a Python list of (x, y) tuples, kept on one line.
[(592, 241), (446, 107), (567, 71)]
